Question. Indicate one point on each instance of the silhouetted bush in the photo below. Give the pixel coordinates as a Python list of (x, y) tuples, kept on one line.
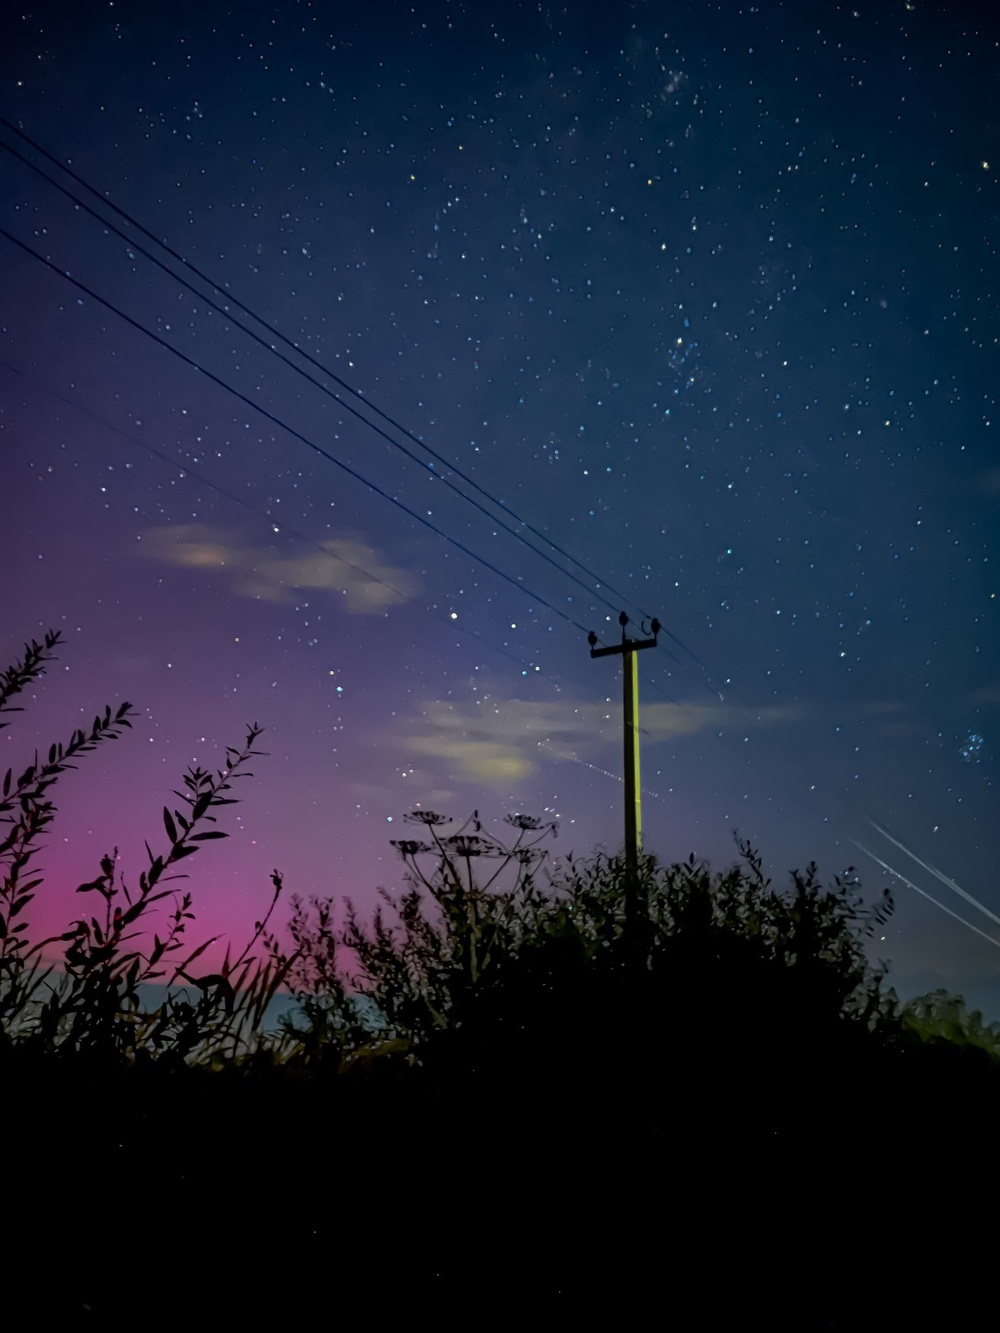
[(523, 980), (85, 992)]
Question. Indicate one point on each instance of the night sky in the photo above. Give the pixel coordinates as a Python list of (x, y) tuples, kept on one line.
[(700, 296)]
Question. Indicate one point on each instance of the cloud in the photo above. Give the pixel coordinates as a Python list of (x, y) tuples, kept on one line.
[(491, 762), (345, 566), (497, 740)]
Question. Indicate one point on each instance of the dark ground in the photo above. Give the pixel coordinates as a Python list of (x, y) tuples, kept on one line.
[(844, 1193)]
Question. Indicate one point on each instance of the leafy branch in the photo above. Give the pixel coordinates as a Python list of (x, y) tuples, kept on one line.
[(90, 997)]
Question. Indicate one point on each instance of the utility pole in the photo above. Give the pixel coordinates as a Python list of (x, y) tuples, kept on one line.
[(633, 789)]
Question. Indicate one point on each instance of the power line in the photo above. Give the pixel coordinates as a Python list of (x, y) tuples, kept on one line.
[(290, 531), (711, 683), (304, 439), (245, 504), (277, 421), (199, 476), (462, 629), (372, 407)]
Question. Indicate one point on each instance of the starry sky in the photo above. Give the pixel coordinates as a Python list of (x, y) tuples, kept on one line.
[(477, 324)]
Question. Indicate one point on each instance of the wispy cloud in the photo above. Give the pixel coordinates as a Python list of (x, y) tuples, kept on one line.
[(495, 739), (344, 566)]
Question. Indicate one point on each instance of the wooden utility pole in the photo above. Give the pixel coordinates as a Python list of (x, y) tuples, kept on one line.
[(633, 788)]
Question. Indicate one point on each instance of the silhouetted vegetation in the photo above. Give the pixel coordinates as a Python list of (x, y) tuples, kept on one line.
[(84, 993), (465, 976), (502, 1090)]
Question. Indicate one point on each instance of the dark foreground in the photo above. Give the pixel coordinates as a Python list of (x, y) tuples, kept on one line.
[(769, 1191)]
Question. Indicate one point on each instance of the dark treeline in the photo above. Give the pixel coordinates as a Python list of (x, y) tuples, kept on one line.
[(521, 1089)]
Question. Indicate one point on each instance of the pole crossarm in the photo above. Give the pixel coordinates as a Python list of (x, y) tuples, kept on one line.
[(627, 645)]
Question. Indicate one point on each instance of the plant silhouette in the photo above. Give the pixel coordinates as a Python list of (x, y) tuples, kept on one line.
[(501, 1094), (503, 980), (85, 991)]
